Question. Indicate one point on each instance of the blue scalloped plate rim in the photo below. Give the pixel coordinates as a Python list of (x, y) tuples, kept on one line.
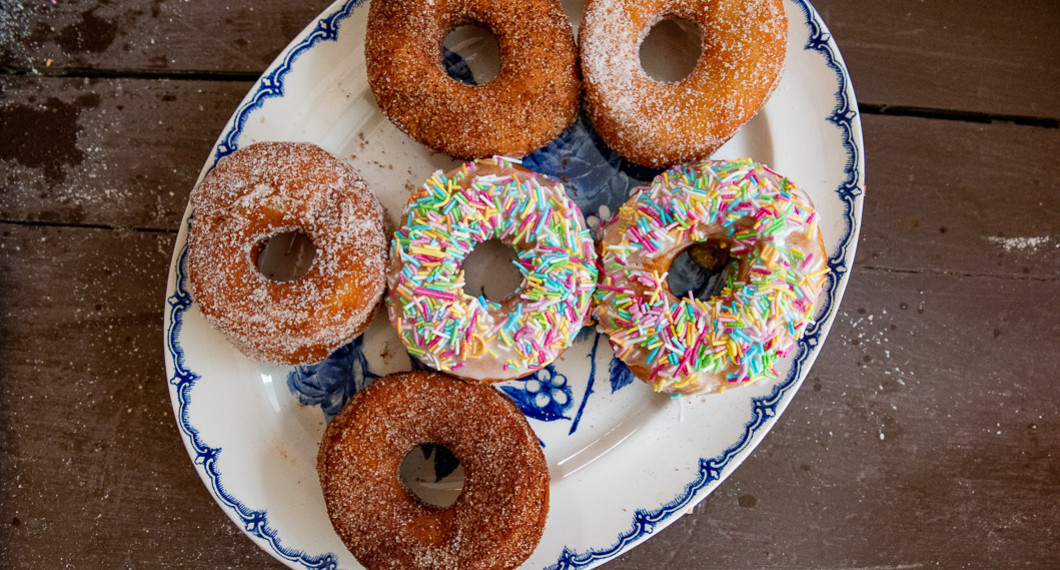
[(644, 522)]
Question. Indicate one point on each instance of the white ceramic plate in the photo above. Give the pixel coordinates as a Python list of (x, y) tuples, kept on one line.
[(625, 462)]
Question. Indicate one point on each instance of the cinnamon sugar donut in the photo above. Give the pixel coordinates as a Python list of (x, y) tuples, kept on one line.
[(497, 520), (764, 223), (268, 189), (656, 123), (533, 98)]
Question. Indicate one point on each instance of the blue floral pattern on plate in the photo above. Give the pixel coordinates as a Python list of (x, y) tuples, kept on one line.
[(329, 384), (543, 395), (596, 177), (620, 374), (444, 460)]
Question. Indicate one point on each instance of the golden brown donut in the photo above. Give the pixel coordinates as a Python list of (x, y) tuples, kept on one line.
[(271, 188), (497, 520), (533, 98), (656, 123)]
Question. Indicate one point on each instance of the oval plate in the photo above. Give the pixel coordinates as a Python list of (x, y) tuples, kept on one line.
[(625, 462)]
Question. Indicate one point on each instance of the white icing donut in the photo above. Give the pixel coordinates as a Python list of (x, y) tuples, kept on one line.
[(472, 336), (688, 345)]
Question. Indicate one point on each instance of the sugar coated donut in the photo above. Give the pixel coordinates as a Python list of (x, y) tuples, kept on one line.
[(656, 123), (534, 97), (497, 520), (472, 336), (688, 345), (272, 188)]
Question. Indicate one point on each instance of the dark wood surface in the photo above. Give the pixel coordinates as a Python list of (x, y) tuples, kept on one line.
[(927, 434)]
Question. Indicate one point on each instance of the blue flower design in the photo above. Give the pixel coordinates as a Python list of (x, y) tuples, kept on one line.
[(456, 67), (417, 364), (595, 175), (621, 375), (329, 384), (444, 460), (687, 276), (587, 333), (543, 395)]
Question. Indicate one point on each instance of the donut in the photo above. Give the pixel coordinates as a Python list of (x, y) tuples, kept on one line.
[(778, 267), (497, 520), (271, 188), (533, 98), (472, 336), (657, 123)]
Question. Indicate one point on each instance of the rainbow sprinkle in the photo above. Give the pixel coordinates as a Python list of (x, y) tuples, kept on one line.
[(736, 337), (449, 329)]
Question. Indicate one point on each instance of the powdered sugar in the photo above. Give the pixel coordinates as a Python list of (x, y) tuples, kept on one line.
[(533, 98), (497, 520), (272, 188), (663, 123), (1027, 244)]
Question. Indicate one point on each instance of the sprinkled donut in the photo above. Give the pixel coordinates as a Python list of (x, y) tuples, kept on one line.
[(770, 230), (657, 123), (536, 94), (471, 336), (497, 520), (268, 189)]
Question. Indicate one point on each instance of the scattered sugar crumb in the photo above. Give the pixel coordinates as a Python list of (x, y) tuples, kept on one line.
[(1029, 244)]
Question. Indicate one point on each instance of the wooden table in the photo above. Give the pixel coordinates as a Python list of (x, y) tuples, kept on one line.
[(926, 435)]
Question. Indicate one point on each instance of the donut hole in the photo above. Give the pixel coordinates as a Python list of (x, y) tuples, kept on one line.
[(701, 269), (671, 49), (471, 55), (285, 256), (433, 474), (489, 271)]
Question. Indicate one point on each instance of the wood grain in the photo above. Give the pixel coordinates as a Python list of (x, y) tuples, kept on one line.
[(962, 198), (932, 185), (929, 424), (93, 472), (926, 436), (107, 152), (121, 36), (891, 435), (979, 56)]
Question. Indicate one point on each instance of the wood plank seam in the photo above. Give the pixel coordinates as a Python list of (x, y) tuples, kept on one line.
[(954, 115)]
